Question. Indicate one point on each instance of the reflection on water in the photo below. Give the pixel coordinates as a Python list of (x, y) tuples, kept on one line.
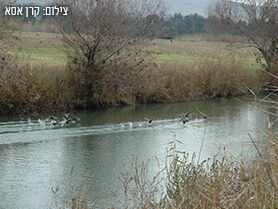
[(36, 156)]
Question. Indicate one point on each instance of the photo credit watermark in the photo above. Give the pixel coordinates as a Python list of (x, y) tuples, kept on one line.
[(35, 11)]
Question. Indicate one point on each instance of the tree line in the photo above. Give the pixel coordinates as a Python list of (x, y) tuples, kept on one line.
[(166, 25)]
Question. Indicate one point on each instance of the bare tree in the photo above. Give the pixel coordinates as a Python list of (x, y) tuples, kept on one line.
[(104, 39), (255, 19)]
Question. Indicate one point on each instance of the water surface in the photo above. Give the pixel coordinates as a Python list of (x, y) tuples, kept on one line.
[(35, 156)]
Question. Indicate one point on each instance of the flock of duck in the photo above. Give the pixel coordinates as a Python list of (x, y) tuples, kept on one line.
[(184, 120), (55, 122), (66, 120)]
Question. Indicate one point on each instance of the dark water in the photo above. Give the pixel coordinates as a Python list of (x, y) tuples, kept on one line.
[(35, 156)]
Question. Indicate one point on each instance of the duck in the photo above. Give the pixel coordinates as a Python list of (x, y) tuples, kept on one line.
[(53, 117), (68, 118), (67, 115), (55, 123), (185, 120), (186, 117), (186, 114), (149, 120), (76, 118)]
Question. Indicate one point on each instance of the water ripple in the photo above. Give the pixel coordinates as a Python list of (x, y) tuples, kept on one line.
[(38, 130)]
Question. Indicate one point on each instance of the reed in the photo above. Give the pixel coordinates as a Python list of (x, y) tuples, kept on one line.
[(29, 89), (208, 77), (77, 198)]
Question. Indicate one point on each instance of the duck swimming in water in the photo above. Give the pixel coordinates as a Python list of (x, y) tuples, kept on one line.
[(53, 117), (76, 118), (149, 120), (184, 120), (68, 118), (186, 117), (55, 123)]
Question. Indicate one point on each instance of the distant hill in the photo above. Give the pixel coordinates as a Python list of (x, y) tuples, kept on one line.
[(185, 7)]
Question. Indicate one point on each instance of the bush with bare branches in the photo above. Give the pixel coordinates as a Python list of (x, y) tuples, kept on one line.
[(104, 41)]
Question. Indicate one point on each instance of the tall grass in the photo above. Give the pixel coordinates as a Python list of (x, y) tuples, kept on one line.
[(27, 89), (206, 78)]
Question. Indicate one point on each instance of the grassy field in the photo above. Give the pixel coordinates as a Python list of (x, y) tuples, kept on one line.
[(178, 51), (42, 48)]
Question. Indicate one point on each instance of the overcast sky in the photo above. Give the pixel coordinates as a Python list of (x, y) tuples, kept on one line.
[(185, 7)]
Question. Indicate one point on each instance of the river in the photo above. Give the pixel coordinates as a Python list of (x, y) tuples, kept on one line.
[(36, 156)]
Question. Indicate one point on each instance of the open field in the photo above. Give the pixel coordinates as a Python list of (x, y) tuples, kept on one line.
[(42, 48), (191, 51)]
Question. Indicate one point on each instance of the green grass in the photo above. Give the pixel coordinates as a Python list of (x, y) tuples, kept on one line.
[(41, 55), (193, 56), (178, 51)]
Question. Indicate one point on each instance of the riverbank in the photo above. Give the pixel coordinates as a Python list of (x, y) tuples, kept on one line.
[(180, 70)]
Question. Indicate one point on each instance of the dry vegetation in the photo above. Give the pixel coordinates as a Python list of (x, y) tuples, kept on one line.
[(180, 70), (256, 21)]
